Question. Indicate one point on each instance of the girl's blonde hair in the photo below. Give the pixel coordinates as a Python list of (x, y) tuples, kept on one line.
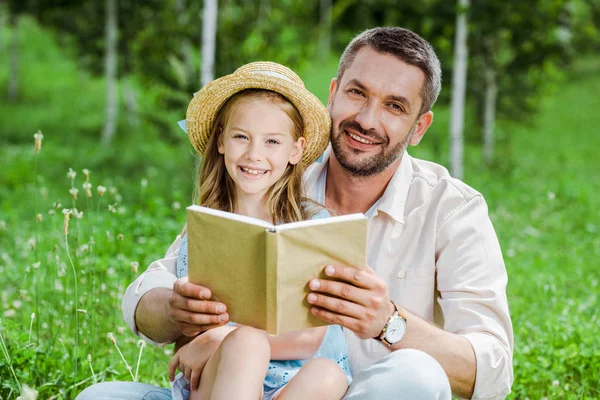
[(215, 188)]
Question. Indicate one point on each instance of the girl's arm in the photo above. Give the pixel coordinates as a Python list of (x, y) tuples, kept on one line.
[(297, 345)]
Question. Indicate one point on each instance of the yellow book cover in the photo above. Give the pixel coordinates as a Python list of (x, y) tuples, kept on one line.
[(261, 271)]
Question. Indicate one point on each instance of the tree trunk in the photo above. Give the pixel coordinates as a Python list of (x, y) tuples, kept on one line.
[(131, 104), (209, 36), (325, 29), (264, 11), (13, 60), (459, 86), (110, 71), (186, 46), (3, 24), (489, 114)]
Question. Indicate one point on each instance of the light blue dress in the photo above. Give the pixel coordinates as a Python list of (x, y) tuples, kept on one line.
[(280, 372)]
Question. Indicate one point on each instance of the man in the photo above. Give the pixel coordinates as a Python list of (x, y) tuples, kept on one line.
[(431, 315)]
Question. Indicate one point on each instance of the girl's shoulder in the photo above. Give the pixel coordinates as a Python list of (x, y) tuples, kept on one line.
[(322, 213), (314, 210)]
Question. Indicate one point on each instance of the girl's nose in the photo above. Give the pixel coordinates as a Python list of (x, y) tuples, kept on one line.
[(254, 152)]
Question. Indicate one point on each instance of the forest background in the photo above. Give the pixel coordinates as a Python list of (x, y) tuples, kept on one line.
[(102, 84)]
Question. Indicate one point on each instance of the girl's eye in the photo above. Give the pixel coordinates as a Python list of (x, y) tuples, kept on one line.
[(240, 136), (272, 141)]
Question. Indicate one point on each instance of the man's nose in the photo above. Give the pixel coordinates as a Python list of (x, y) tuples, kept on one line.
[(368, 117)]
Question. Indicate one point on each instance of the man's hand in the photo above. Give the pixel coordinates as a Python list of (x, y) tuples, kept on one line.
[(192, 311), (191, 358), (360, 302)]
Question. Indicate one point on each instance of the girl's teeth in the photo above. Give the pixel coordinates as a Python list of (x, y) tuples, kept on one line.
[(359, 139), (253, 171)]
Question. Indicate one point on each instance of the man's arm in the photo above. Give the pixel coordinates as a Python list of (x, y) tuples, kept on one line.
[(475, 345), (153, 316), (160, 308), (454, 352), (165, 315), (364, 307)]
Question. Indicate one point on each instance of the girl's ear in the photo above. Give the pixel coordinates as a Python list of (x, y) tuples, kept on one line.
[(297, 151), (220, 145)]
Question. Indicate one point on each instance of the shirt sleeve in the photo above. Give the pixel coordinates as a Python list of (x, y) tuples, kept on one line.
[(160, 274), (472, 283)]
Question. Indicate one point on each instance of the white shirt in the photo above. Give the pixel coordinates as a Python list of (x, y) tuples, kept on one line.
[(430, 238)]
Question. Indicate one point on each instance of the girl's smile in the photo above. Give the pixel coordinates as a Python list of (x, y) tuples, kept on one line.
[(258, 144)]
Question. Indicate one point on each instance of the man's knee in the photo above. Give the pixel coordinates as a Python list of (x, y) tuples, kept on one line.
[(418, 371), (403, 374)]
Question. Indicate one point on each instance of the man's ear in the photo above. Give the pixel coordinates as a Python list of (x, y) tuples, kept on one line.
[(220, 145), (297, 151), (423, 123), (332, 90)]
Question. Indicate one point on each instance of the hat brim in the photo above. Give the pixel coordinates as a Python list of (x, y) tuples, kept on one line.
[(207, 102)]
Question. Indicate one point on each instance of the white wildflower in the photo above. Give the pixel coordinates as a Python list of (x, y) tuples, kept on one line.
[(134, 267), (38, 137), (68, 214), (88, 188), (71, 174)]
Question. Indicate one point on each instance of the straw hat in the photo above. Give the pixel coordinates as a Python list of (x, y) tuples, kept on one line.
[(260, 75)]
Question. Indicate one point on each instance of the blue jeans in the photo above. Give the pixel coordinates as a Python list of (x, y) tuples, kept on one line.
[(403, 374)]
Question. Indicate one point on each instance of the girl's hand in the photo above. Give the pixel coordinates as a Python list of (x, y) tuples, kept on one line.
[(191, 310), (191, 358)]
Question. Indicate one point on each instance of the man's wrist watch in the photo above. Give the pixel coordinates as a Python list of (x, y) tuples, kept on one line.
[(394, 329)]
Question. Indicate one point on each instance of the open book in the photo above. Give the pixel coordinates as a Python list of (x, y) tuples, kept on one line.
[(261, 271)]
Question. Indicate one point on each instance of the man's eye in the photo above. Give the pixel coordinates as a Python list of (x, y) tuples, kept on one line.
[(396, 107), (355, 91)]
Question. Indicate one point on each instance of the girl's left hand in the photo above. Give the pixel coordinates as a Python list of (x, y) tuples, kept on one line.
[(191, 358)]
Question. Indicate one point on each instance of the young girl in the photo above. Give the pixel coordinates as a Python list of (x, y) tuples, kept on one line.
[(257, 129)]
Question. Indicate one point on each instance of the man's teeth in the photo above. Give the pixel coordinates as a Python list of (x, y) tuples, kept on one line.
[(253, 171), (359, 139)]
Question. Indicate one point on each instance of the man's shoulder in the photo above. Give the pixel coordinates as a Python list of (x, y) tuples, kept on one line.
[(435, 178), (434, 191)]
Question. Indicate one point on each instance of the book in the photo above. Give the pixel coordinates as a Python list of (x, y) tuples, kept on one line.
[(261, 271)]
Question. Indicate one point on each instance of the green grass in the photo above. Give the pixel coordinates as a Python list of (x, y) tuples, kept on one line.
[(542, 193)]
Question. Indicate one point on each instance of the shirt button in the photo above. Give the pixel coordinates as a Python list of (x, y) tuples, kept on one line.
[(402, 274)]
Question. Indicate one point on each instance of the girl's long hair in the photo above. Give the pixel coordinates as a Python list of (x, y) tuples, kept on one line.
[(215, 188)]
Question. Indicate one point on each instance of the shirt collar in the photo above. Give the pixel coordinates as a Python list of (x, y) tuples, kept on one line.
[(394, 198), (391, 203)]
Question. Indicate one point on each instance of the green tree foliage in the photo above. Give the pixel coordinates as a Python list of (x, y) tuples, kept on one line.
[(522, 42), (527, 43)]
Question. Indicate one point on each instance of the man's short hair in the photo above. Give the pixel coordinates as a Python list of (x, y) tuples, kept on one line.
[(406, 46)]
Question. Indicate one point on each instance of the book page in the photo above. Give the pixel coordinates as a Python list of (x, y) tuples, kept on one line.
[(304, 252), (232, 216), (227, 256), (320, 221)]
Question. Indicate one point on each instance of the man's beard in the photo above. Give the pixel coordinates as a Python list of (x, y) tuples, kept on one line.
[(372, 165)]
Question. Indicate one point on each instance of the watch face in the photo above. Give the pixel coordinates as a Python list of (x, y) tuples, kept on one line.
[(396, 329)]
